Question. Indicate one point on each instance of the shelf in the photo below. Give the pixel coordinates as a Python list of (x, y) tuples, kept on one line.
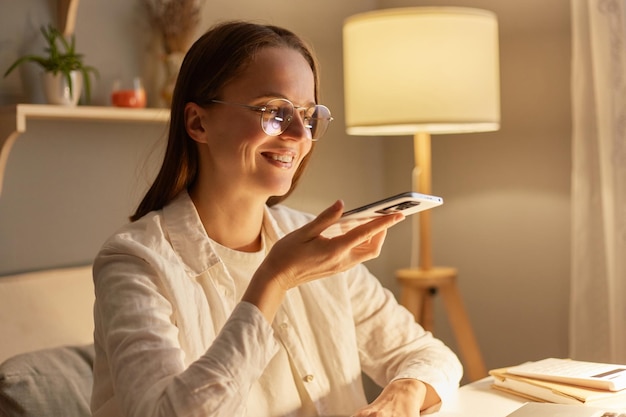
[(13, 120)]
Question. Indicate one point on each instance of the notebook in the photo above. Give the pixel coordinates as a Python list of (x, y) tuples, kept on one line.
[(587, 374), (563, 410)]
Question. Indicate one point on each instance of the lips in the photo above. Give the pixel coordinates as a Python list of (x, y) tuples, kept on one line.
[(285, 160)]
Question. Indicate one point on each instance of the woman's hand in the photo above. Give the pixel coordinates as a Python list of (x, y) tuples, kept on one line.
[(305, 255), (401, 398)]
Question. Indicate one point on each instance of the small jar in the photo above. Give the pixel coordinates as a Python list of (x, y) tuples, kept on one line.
[(129, 94)]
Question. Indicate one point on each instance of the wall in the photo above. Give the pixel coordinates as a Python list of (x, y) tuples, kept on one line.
[(505, 223)]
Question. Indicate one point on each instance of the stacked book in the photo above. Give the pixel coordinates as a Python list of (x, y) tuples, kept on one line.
[(565, 381)]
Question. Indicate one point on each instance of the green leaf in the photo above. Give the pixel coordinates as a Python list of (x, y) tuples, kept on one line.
[(61, 57)]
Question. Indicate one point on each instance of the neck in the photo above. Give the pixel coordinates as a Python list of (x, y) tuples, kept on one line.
[(234, 221)]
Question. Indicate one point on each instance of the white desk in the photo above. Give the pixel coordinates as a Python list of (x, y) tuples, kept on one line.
[(478, 399)]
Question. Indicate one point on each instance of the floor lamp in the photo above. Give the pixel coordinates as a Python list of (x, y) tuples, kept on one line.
[(421, 71)]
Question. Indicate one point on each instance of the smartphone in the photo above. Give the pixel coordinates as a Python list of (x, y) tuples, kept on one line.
[(407, 203)]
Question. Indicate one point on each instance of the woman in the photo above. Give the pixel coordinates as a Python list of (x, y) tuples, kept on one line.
[(211, 302)]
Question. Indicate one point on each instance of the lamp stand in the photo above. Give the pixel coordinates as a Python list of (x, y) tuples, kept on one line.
[(421, 282)]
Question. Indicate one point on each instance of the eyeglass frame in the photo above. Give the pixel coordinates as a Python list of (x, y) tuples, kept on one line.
[(263, 108)]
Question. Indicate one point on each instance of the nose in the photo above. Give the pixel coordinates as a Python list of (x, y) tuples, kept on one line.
[(297, 130)]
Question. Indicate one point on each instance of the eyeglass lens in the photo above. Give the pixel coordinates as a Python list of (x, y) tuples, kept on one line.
[(278, 115)]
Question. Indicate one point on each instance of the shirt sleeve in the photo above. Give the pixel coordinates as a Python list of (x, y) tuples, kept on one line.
[(392, 345), (140, 365)]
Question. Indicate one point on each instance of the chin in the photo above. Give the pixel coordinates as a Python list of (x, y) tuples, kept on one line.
[(280, 192), (276, 186)]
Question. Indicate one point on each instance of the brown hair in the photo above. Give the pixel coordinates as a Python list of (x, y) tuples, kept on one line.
[(216, 58)]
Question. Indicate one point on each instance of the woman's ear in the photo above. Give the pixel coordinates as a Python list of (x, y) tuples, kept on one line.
[(194, 122)]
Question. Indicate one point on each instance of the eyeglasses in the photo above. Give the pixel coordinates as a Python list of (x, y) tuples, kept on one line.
[(277, 115)]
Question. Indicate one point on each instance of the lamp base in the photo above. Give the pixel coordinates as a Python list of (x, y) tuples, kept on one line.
[(419, 286)]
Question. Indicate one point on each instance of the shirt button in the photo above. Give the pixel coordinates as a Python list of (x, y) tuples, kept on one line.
[(284, 325), (308, 378)]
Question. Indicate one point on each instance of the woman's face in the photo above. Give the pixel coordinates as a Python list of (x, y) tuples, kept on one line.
[(239, 156)]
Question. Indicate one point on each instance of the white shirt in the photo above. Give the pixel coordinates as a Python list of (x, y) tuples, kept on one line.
[(172, 338), (278, 392)]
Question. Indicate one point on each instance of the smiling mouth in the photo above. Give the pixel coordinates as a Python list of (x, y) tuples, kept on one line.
[(286, 159)]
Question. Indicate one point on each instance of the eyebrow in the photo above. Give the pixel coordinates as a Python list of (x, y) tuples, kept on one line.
[(270, 96)]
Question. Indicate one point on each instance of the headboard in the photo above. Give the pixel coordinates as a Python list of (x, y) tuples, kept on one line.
[(45, 309)]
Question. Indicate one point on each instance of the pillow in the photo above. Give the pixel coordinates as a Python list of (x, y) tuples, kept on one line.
[(50, 382)]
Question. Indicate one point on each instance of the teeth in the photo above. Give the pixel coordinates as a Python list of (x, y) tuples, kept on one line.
[(282, 158)]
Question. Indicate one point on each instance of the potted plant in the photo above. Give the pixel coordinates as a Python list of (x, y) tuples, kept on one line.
[(62, 64)]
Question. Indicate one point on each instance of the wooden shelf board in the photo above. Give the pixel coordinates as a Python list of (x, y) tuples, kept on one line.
[(47, 111)]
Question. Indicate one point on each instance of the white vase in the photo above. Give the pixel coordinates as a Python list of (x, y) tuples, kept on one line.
[(57, 89)]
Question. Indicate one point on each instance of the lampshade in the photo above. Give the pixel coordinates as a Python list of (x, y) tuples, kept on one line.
[(421, 69)]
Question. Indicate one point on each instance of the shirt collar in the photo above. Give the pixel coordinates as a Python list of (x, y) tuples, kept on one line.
[(188, 236)]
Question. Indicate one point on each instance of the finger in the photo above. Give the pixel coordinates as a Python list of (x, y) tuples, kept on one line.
[(369, 249), (370, 229), (325, 219)]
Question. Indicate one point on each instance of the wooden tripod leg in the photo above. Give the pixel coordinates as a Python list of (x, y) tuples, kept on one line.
[(428, 309), (412, 299), (462, 328)]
